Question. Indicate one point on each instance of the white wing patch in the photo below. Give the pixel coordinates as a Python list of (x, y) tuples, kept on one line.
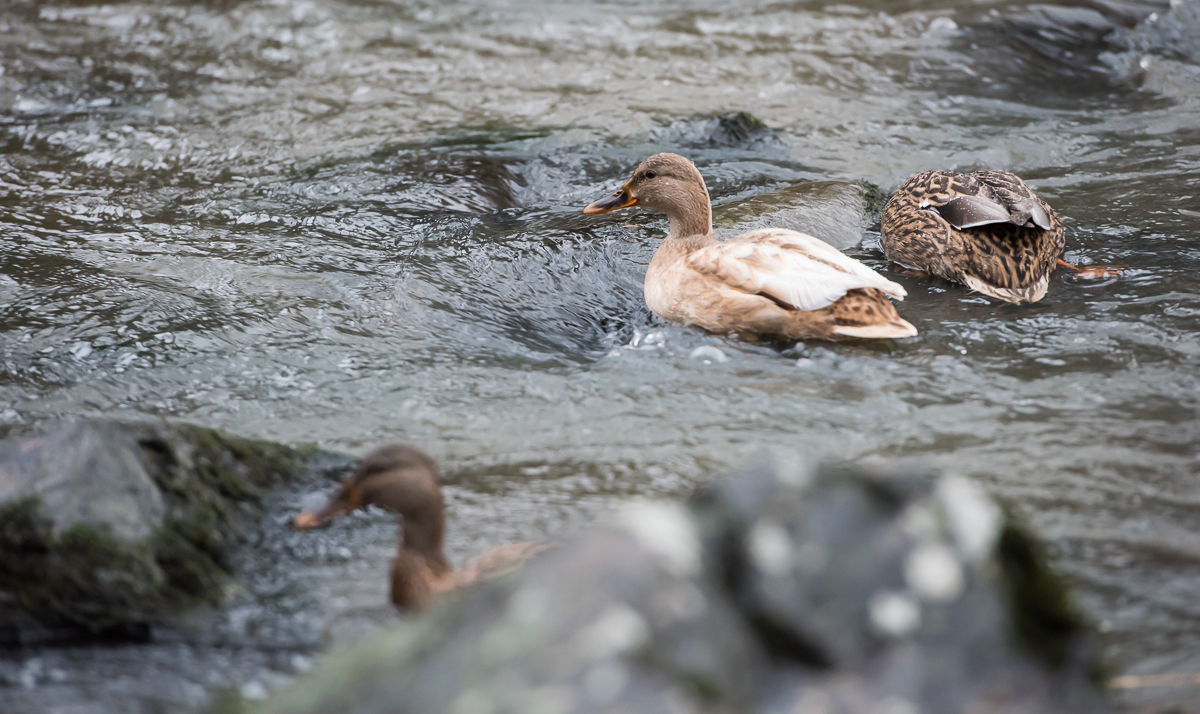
[(794, 268)]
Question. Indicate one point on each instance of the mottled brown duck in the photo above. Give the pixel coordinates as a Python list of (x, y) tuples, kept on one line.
[(985, 229), (766, 282), (405, 481)]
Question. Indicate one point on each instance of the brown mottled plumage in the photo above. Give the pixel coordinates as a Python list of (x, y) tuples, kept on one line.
[(771, 281), (986, 229), (404, 480)]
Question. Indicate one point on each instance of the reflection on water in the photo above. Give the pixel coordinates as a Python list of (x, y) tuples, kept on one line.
[(358, 221)]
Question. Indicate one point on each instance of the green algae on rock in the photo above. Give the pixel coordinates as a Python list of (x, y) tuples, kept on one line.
[(108, 527)]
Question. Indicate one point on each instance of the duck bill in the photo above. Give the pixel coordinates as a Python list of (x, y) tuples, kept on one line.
[(620, 199), (308, 520)]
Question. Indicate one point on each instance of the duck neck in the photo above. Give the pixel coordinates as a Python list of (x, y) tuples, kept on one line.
[(691, 219), (414, 493), (424, 534)]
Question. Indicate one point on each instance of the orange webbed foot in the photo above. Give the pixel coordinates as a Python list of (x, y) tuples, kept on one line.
[(1099, 272), (1094, 272), (914, 273)]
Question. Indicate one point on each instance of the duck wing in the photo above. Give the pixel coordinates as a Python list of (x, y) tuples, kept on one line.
[(792, 268), (497, 561), (987, 197)]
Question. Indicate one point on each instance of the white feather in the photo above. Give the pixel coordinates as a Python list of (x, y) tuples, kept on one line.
[(792, 267), (892, 330)]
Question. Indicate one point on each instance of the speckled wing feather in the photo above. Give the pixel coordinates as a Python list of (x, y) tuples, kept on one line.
[(1023, 206), (971, 211), (793, 268), (995, 197)]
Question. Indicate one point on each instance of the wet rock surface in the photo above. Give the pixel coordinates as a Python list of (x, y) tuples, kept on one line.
[(837, 212), (786, 589), (108, 528)]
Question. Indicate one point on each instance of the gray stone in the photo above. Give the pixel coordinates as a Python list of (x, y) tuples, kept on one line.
[(90, 474), (109, 527)]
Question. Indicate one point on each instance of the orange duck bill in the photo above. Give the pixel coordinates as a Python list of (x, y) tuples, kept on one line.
[(337, 506), (620, 199), (309, 520)]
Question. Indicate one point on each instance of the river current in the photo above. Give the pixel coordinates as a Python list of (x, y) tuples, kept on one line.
[(355, 221)]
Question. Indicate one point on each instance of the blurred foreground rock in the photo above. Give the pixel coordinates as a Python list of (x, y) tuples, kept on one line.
[(109, 527), (784, 590)]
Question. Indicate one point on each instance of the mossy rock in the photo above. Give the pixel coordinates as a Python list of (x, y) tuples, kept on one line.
[(109, 527)]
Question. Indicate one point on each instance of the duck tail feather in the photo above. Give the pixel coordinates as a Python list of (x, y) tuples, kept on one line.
[(891, 330), (1017, 296)]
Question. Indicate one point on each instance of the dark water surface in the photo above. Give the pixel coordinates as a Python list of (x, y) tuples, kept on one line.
[(351, 222)]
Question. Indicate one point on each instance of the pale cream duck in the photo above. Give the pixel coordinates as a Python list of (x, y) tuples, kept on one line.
[(771, 281), (404, 480)]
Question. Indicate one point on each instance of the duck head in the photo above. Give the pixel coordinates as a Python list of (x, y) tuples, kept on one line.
[(399, 478), (668, 183)]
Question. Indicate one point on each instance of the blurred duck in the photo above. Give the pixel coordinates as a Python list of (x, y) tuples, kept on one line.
[(985, 229), (771, 281), (404, 480)]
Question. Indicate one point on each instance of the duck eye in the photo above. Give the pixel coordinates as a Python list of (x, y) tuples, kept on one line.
[(650, 174)]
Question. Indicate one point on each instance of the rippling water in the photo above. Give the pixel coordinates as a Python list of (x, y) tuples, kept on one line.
[(351, 222)]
